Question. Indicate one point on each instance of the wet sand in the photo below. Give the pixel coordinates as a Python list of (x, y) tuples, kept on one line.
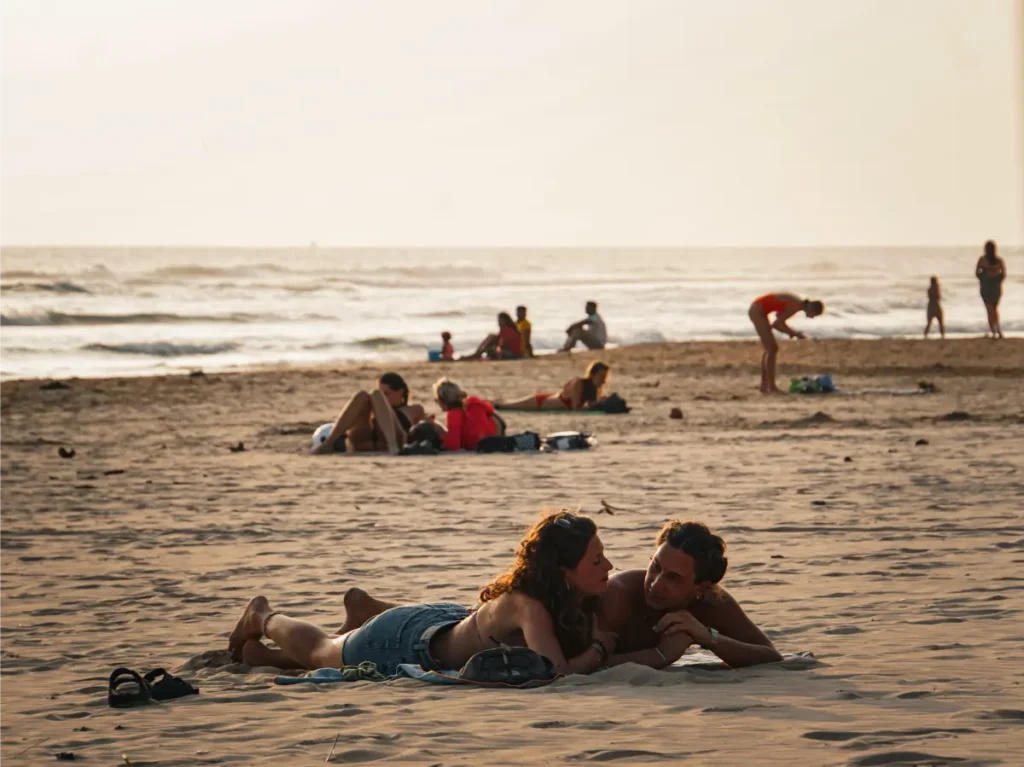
[(900, 569)]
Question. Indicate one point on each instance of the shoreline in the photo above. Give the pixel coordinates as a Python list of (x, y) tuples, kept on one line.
[(960, 356)]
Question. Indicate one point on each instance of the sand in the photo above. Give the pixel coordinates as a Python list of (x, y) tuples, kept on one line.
[(900, 569)]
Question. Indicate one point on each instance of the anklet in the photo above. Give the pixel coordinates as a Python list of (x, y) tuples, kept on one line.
[(266, 620)]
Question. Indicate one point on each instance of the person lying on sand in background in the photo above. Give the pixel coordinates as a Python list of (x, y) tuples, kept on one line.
[(783, 306), (525, 328), (657, 614), (934, 308), (590, 331), (374, 421), (577, 394), (467, 419), (503, 345), (545, 601)]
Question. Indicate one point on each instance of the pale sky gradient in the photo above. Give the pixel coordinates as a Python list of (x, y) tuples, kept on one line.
[(520, 122)]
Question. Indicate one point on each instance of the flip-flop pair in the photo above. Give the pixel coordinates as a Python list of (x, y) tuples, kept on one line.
[(127, 688)]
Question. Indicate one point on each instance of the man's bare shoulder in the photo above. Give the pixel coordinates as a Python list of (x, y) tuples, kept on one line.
[(627, 582), (624, 590)]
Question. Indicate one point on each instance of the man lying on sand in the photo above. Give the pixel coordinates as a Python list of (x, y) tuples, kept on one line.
[(650, 617), (677, 602)]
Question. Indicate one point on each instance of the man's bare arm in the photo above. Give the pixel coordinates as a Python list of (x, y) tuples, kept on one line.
[(740, 641)]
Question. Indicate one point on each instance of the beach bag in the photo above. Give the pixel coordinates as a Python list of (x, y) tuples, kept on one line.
[(568, 440), (613, 403), (425, 432), (528, 440), (508, 665)]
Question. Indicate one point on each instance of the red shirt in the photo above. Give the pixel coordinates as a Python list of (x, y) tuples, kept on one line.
[(510, 340), (469, 424), (447, 352)]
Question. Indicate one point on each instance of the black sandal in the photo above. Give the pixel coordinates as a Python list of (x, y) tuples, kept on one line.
[(169, 686), (137, 693)]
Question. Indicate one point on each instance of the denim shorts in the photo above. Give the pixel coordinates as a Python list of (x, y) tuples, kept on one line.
[(401, 635)]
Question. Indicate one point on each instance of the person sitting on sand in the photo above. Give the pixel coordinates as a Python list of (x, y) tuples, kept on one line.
[(783, 306), (525, 328), (590, 331), (545, 601), (657, 614), (447, 350), (934, 308), (677, 602), (577, 394), (467, 419), (503, 345), (374, 421), (991, 271)]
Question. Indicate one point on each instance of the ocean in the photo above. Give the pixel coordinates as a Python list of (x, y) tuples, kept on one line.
[(88, 312)]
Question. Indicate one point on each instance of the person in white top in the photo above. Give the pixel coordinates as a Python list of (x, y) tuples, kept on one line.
[(590, 331)]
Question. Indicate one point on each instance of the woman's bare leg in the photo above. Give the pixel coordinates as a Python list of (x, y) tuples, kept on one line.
[(772, 355), (526, 403), (306, 645), (942, 325), (415, 413), (997, 326), (394, 434), (360, 607), (255, 653), (357, 409), (552, 402), (488, 342), (771, 347)]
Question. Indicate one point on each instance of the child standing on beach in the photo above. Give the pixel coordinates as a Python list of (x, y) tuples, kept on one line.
[(447, 351), (934, 308)]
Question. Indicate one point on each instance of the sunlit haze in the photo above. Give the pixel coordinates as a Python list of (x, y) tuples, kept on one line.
[(755, 122)]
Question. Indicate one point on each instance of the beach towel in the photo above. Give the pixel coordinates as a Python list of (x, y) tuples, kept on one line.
[(701, 659), (823, 384)]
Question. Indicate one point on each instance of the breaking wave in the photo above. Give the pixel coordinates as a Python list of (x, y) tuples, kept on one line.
[(162, 349)]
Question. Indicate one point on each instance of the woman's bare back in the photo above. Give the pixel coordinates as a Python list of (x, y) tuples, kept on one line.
[(496, 622)]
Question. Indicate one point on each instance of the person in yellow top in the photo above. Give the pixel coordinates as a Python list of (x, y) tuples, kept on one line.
[(525, 330)]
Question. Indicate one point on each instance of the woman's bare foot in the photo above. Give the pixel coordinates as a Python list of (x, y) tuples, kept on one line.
[(249, 626), (360, 607)]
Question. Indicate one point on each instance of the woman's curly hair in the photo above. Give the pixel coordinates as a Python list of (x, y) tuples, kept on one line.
[(560, 539)]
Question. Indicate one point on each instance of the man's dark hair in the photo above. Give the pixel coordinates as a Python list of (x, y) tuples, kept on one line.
[(591, 306), (697, 541)]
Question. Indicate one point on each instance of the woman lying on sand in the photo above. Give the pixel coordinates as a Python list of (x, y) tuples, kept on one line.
[(577, 394), (783, 306), (546, 601), (374, 421)]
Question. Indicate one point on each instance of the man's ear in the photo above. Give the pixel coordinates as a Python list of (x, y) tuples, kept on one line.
[(701, 589)]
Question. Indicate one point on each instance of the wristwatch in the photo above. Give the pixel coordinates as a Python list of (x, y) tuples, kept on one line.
[(713, 640)]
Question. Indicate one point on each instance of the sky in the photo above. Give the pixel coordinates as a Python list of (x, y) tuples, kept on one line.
[(513, 122)]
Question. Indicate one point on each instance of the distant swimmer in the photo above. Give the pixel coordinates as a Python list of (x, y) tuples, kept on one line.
[(991, 271), (935, 308), (783, 306)]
